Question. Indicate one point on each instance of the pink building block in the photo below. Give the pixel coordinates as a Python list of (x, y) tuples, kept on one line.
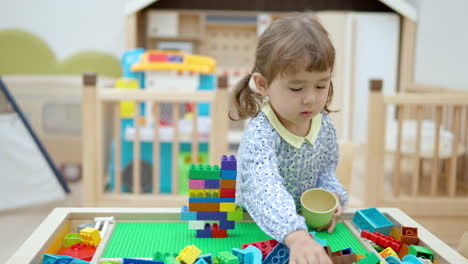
[(196, 184)]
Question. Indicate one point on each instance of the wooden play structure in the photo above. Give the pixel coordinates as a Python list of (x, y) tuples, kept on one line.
[(94, 148), (425, 174)]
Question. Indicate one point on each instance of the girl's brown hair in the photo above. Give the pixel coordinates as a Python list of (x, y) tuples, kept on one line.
[(287, 46)]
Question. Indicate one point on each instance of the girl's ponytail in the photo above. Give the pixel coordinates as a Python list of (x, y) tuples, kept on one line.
[(246, 103)]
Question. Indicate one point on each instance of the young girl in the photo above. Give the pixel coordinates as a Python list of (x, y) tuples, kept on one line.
[(290, 143)]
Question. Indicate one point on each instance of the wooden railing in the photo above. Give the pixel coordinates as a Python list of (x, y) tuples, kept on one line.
[(95, 168), (430, 128)]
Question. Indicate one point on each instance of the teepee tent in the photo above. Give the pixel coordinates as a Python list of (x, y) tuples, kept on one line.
[(27, 174)]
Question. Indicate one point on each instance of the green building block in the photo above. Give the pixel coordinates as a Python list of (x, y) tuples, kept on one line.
[(378, 248), (226, 257), (342, 238), (71, 239), (204, 172), (163, 255), (236, 215), (171, 260), (421, 252), (370, 258), (108, 262)]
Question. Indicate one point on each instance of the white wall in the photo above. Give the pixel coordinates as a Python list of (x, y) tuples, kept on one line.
[(442, 44), (69, 26)]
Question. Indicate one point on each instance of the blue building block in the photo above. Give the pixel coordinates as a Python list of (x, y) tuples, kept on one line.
[(228, 163), (206, 258), (214, 216), (212, 184), (372, 220), (224, 224), (186, 215), (204, 233), (51, 258), (212, 200), (249, 255), (279, 255), (140, 261), (65, 261), (322, 242), (229, 174)]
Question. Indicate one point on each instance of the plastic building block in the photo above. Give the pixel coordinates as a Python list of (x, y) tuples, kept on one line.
[(409, 235), (71, 239), (388, 252), (140, 261), (409, 259), (200, 261), (322, 242), (224, 224), (395, 233), (403, 250), (249, 255), (90, 236), (279, 255), (225, 257), (265, 246), (215, 216), (372, 220), (108, 262), (344, 259), (212, 184), (207, 258), (161, 256), (227, 207), (228, 174), (189, 254), (196, 184), (421, 252), (196, 225), (204, 193), (186, 215), (65, 261), (218, 233), (212, 200), (83, 226), (228, 183), (228, 193), (80, 251), (370, 258), (236, 215), (382, 240), (203, 207), (228, 163), (377, 248), (171, 260), (50, 259), (205, 233), (207, 172)]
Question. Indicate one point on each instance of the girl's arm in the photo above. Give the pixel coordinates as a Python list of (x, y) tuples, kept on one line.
[(261, 191)]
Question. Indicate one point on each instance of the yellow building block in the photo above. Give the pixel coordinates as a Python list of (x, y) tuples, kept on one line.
[(189, 254), (388, 252), (227, 207), (204, 193), (90, 236), (395, 233), (127, 108)]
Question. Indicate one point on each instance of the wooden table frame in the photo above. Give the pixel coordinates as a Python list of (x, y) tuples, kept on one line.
[(40, 240)]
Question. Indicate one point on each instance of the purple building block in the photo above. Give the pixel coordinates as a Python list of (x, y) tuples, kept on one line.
[(214, 216), (204, 233), (224, 224), (211, 184), (228, 163)]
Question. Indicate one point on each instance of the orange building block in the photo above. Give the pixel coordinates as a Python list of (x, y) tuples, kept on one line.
[(228, 184), (204, 207)]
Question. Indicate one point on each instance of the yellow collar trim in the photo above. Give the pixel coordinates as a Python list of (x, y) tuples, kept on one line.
[(293, 140)]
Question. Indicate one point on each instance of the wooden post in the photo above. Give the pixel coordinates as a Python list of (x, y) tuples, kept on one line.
[(132, 31), (118, 149), (375, 144), (156, 150), (435, 160), (417, 152), (452, 181), (397, 166), (219, 122), (407, 48), (89, 139)]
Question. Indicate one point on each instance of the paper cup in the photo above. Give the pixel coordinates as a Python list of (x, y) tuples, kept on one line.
[(318, 207)]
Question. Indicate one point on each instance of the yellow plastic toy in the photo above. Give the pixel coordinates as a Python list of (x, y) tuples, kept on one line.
[(388, 252), (127, 108), (90, 236), (189, 254)]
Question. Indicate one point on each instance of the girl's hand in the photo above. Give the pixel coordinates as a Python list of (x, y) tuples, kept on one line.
[(304, 249), (339, 211)]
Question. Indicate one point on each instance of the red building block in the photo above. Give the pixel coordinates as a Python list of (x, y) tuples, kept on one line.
[(79, 251), (228, 193), (265, 246), (382, 240), (218, 233)]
